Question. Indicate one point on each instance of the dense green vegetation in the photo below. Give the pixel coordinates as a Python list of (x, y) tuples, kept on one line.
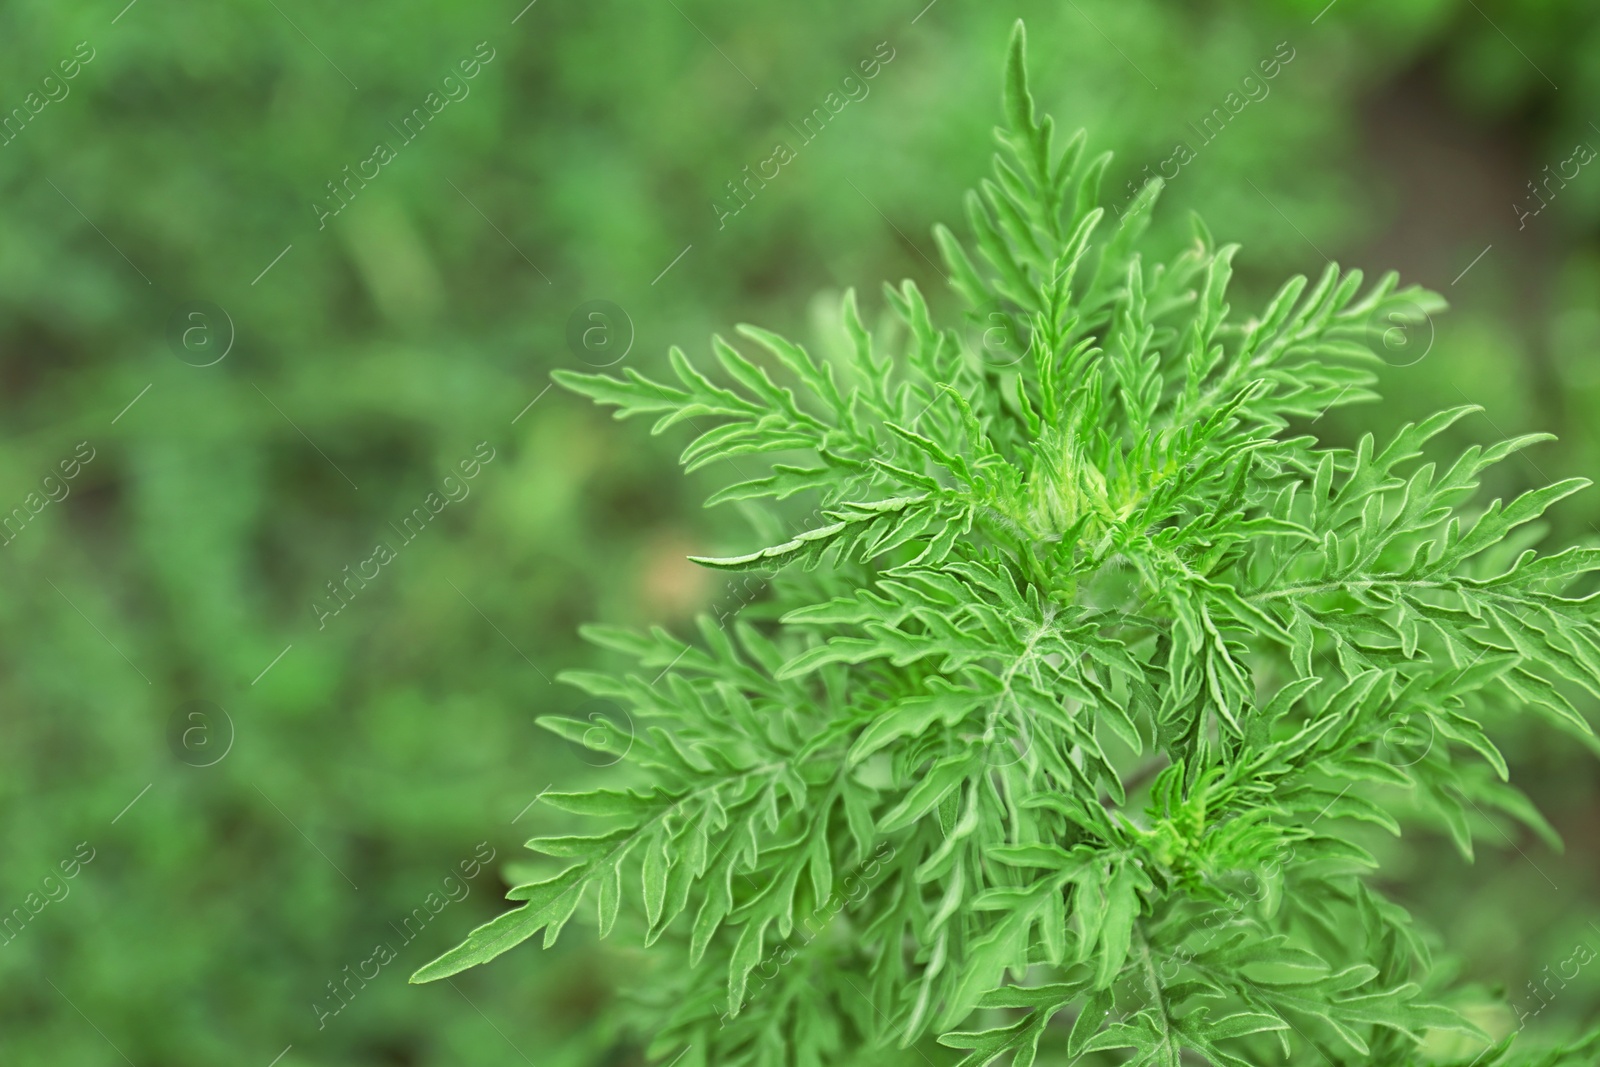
[(1037, 555), (200, 528)]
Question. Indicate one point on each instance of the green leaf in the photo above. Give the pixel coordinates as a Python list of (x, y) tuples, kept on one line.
[(913, 716), (547, 902)]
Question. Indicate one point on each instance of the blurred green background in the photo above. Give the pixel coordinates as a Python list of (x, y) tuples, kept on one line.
[(342, 771)]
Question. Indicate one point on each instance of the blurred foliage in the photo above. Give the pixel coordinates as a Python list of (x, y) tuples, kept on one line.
[(377, 352)]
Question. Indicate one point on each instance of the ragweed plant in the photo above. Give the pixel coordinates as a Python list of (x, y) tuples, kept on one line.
[(1089, 674)]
